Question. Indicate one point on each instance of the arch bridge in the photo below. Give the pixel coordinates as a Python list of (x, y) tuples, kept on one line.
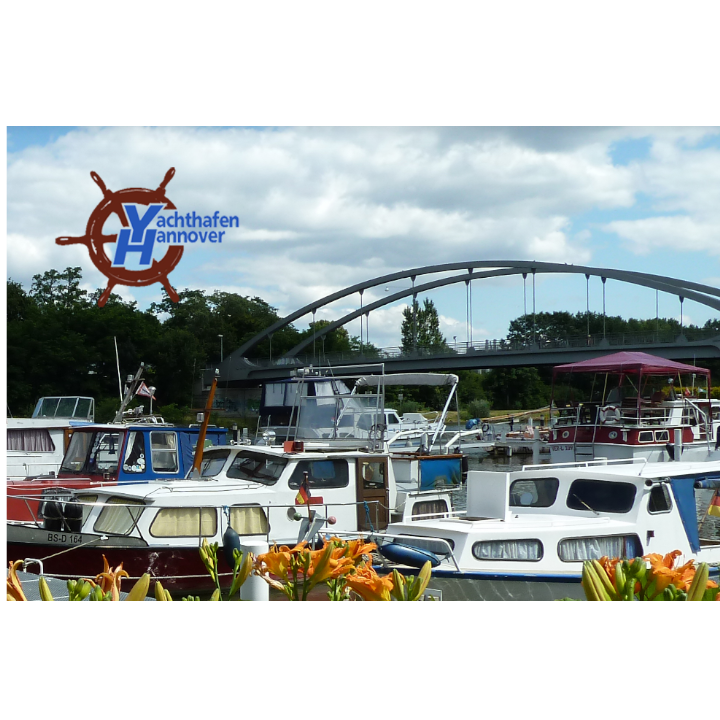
[(237, 368)]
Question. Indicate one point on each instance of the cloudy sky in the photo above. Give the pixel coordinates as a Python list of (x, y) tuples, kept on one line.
[(323, 208)]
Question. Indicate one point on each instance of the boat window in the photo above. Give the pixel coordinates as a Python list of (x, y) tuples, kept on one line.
[(86, 501), (392, 419), (249, 520), (430, 509), (534, 492), (662, 436), (164, 451), (645, 436), (659, 501), (213, 462), (521, 550), (601, 496), (74, 460), (321, 474), (119, 516), (593, 548), (134, 460), (35, 440), (265, 469), (184, 522)]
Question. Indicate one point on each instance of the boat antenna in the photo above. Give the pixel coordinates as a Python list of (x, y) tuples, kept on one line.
[(585, 504), (117, 362)]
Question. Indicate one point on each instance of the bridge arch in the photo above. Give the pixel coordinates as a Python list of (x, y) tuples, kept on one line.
[(703, 294)]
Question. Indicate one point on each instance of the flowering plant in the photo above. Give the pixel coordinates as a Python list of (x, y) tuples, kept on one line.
[(651, 577)]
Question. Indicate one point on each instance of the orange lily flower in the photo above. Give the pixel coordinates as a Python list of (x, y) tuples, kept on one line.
[(354, 549), (14, 587), (368, 584), (609, 566), (275, 561), (110, 579)]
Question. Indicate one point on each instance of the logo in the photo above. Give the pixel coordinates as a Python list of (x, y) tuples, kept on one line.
[(134, 237)]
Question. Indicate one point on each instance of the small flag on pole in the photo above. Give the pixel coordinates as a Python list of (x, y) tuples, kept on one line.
[(303, 496), (146, 391), (714, 508)]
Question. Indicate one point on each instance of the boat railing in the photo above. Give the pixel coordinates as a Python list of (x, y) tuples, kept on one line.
[(597, 462)]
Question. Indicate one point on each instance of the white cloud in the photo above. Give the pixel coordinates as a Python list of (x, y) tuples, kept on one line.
[(323, 208)]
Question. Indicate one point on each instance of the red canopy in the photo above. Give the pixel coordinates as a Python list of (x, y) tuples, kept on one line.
[(632, 363)]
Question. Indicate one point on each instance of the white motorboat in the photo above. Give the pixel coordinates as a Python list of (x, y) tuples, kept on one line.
[(276, 493), (525, 534)]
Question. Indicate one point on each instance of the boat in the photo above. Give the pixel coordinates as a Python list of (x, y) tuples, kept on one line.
[(524, 535), (36, 445), (237, 494), (633, 405), (133, 448)]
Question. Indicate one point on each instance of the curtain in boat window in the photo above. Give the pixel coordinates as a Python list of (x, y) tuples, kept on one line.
[(248, 520), (593, 548), (118, 518), (35, 440), (530, 550), (184, 522)]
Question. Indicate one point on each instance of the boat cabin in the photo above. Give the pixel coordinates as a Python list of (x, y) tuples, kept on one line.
[(544, 521), (115, 454)]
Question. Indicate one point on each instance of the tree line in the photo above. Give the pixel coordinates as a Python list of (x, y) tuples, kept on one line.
[(59, 342)]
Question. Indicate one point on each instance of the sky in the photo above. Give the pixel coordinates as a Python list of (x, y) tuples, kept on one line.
[(322, 208)]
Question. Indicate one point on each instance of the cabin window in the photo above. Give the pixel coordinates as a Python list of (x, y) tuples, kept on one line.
[(164, 451), (534, 492), (134, 461), (184, 522), (520, 550), (213, 462), (249, 520), (265, 469), (430, 509), (119, 516), (659, 501), (601, 496), (392, 419), (593, 548), (86, 501), (662, 436), (77, 452), (104, 453), (275, 394), (35, 440), (645, 436), (322, 474)]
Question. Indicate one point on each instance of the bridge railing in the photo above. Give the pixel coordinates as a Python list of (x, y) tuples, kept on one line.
[(504, 345)]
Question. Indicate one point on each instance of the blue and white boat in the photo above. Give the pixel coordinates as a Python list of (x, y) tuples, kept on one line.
[(524, 535)]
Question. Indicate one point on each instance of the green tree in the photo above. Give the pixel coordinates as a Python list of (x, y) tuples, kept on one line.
[(427, 323)]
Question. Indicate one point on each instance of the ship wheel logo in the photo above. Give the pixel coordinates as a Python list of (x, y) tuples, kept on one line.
[(113, 204)]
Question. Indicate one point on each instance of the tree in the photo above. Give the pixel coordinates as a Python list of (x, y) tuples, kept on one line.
[(427, 323)]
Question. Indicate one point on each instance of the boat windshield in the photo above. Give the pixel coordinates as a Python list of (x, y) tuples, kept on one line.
[(213, 462), (92, 452), (256, 467)]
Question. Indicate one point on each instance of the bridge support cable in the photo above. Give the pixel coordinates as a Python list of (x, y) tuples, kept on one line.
[(604, 279)]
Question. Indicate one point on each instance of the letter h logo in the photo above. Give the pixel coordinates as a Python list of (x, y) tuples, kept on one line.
[(137, 238)]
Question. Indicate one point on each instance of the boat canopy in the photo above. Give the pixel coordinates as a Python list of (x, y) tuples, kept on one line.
[(630, 363), (435, 379)]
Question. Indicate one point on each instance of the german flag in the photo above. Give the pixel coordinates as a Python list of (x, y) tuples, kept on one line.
[(714, 508), (302, 497)]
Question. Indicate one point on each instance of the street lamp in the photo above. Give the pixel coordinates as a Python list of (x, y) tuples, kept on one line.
[(221, 347)]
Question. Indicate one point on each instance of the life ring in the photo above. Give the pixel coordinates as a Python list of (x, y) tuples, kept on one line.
[(609, 412), (485, 427)]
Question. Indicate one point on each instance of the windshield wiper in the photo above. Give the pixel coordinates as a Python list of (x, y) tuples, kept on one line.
[(585, 504)]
